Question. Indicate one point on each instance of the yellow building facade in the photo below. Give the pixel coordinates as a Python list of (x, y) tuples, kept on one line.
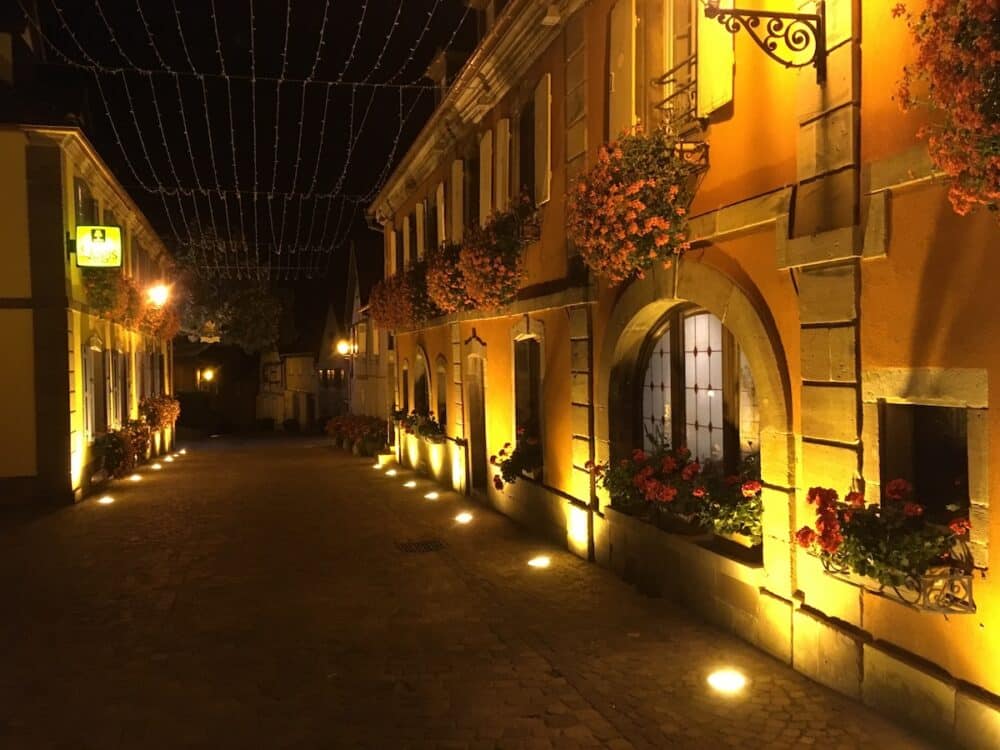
[(846, 296), (69, 374)]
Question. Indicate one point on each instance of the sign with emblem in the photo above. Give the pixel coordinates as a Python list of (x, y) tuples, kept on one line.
[(98, 247)]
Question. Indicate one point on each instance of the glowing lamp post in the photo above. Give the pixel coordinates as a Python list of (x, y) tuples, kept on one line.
[(343, 347), (158, 295)]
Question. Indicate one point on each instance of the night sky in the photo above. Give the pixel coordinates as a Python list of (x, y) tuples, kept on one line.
[(223, 144)]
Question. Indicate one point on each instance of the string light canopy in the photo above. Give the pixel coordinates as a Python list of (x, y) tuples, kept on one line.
[(239, 216)]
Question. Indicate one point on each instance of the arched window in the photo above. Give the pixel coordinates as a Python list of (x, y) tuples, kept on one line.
[(698, 390), (421, 387), (441, 374)]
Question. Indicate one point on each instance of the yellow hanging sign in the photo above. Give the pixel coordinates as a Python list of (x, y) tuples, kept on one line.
[(98, 247)]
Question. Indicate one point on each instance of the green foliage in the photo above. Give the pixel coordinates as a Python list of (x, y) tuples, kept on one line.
[(117, 453), (662, 483), (513, 464), (889, 542), (242, 314)]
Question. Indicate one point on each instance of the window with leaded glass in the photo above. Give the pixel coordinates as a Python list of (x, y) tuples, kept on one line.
[(697, 390)]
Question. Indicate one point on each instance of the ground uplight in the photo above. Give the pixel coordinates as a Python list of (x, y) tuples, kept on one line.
[(391, 473), (410, 485), (135, 478), (727, 681), (156, 466), (106, 500), (169, 459), (542, 561), (377, 467), (463, 517), (431, 496), (183, 451)]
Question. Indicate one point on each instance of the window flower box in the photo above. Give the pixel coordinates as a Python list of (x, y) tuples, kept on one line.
[(889, 548)]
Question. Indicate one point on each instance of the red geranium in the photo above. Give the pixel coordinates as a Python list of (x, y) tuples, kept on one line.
[(898, 490)]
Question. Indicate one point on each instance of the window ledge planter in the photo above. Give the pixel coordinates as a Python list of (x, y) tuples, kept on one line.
[(743, 540), (942, 589)]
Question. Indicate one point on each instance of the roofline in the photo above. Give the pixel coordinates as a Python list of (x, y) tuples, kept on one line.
[(460, 100), (75, 133)]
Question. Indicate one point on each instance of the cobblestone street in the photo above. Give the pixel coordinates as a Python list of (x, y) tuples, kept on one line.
[(252, 594)]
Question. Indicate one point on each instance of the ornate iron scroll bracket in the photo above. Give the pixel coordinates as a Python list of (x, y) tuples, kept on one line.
[(784, 37)]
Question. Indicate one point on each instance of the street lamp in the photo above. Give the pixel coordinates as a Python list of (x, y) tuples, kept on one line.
[(158, 295), (343, 347)]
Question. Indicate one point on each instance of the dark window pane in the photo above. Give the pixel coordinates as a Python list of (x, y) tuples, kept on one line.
[(927, 446)]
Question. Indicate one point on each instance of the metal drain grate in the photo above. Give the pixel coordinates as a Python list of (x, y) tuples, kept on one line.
[(423, 545)]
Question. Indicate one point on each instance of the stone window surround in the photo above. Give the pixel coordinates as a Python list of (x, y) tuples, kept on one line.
[(965, 388)]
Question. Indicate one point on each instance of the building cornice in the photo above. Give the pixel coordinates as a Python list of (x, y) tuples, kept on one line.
[(497, 65), (77, 146)]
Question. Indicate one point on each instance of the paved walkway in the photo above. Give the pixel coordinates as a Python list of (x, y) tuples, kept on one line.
[(251, 594)]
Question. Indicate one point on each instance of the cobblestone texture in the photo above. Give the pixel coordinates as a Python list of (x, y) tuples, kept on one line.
[(252, 594)]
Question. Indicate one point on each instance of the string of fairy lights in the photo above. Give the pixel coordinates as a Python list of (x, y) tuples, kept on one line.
[(208, 212)]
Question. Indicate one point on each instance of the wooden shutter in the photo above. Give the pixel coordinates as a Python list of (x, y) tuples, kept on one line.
[(406, 243), (420, 230), (621, 86), (543, 139), (442, 233), (502, 168), (457, 179), (716, 59), (390, 266), (485, 177)]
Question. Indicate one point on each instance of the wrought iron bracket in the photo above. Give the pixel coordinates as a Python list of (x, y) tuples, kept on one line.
[(782, 36)]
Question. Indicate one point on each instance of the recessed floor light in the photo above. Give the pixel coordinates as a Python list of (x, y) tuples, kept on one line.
[(411, 484), (183, 451), (727, 681), (431, 496), (135, 478), (169, 459), (106, 500), (156, 467), (542, 561), (391, 473), (463, 517)]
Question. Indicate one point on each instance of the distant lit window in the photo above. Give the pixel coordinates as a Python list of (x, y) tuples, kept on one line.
[(421, 387)]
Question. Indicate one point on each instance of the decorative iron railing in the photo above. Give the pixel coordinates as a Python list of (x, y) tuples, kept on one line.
[(680, 105), (945, 589)]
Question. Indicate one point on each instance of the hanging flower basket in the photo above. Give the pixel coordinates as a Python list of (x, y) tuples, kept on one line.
[(113, 295), (401, 301), (957, 76), (629, 211), (445, 283), (491, 261)]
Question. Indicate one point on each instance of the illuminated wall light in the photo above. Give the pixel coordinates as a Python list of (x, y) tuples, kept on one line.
[(432, 496), (391, 473), (135, 478), (727, 681), (463, 518), (410, 485), (577, 526), (436, 457), (157, 467), (542, 561), (106, 500)]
